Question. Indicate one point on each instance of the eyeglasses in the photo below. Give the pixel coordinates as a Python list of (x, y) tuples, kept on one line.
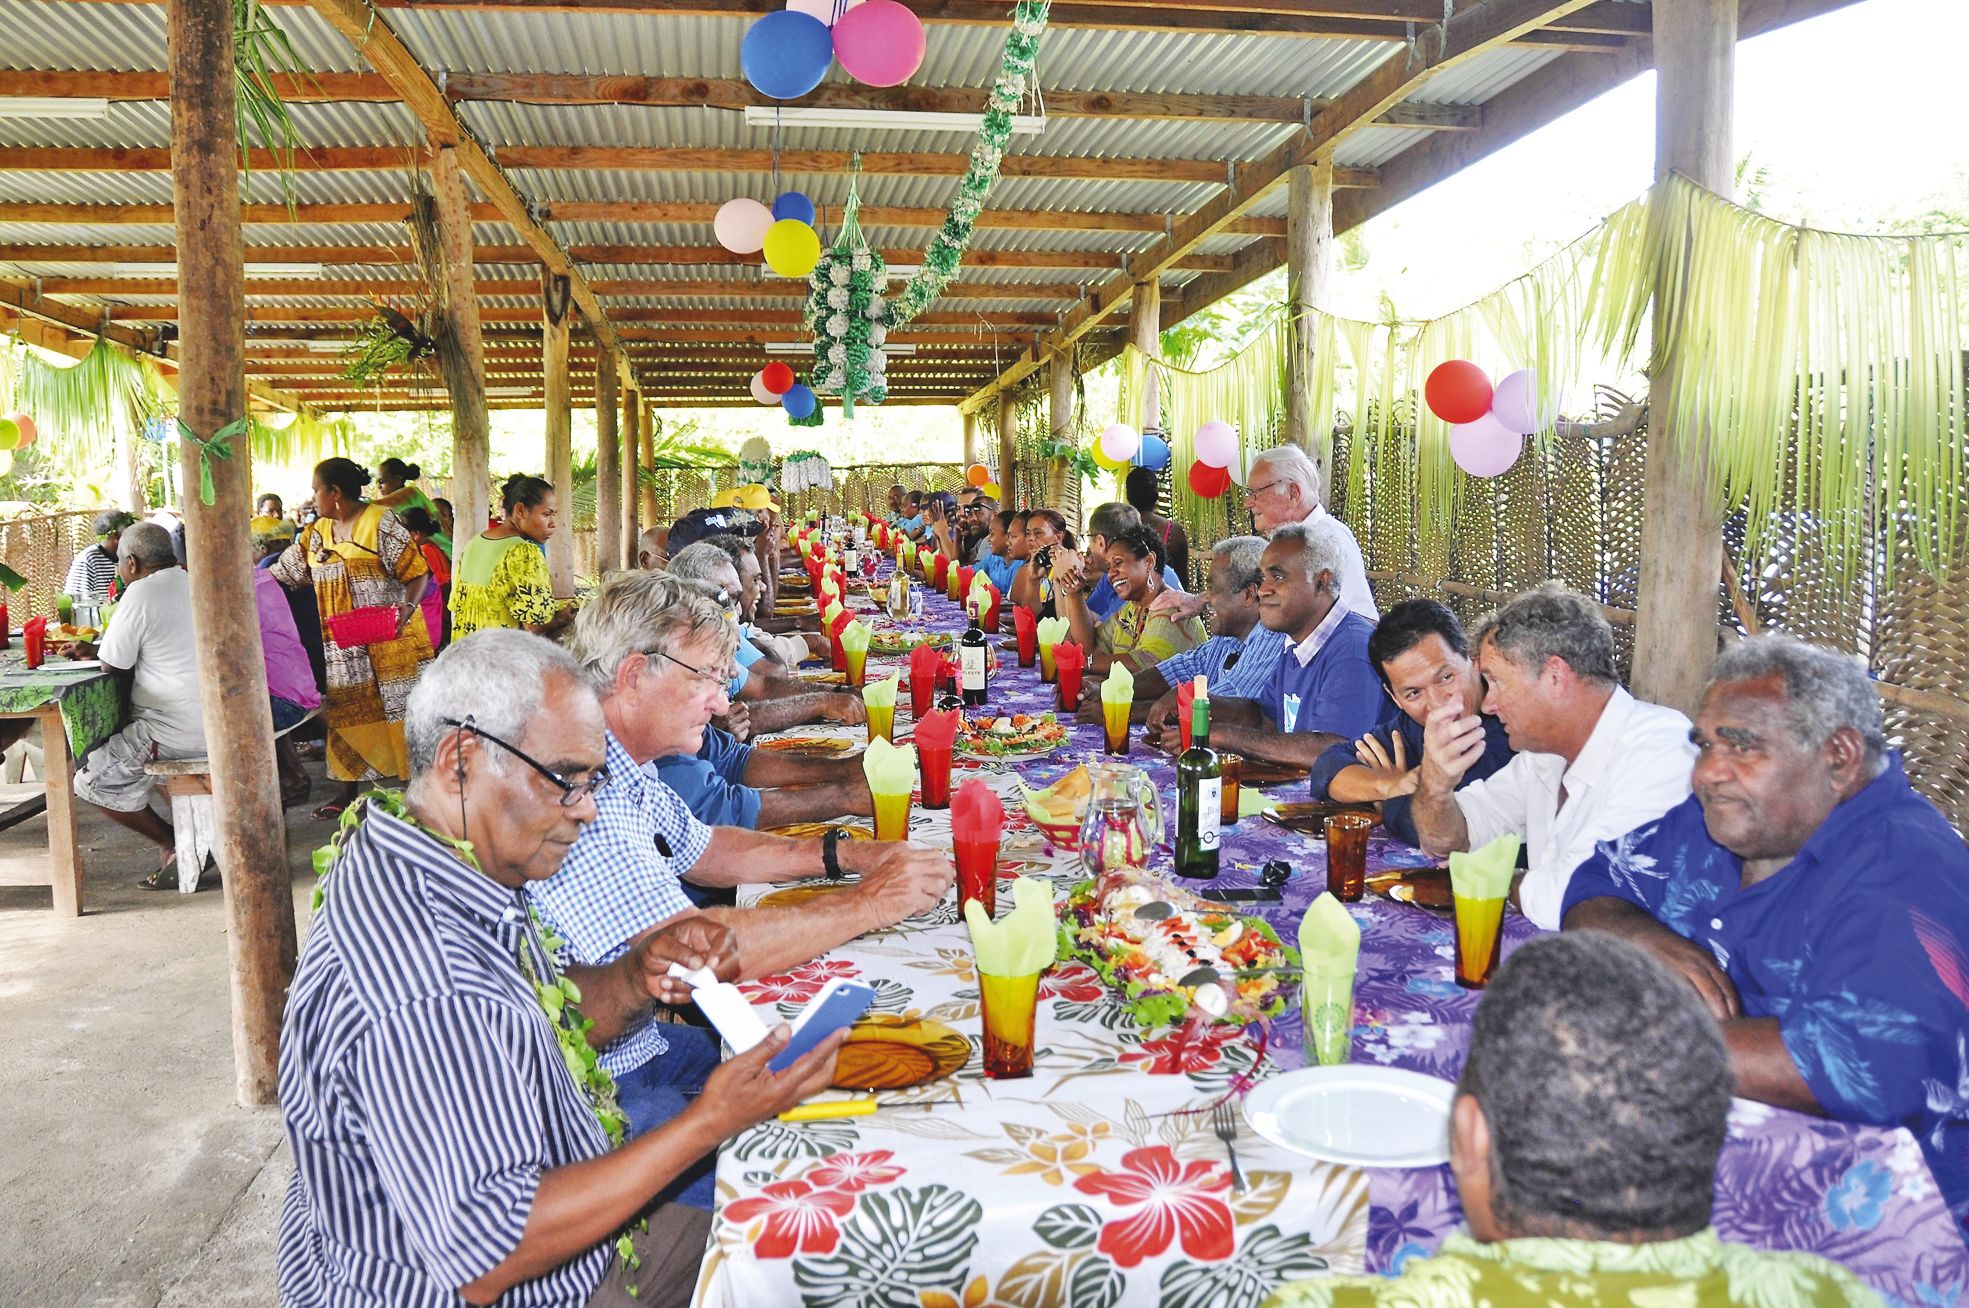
[(1249, 491), (572, 792), (702, 674)]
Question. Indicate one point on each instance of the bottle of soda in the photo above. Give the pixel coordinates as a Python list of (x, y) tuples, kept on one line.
[(971, 657), (1199, 795)]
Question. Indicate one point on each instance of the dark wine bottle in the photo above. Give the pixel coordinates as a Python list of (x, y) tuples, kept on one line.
[(971, 658), (1199, 795)]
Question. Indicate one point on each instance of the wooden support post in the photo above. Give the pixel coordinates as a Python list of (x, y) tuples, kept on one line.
[(632, 444), (608, 473), (1681, 528), (970, 438), (556, 307), (1145, 334), (1059, 419), (1008, 449), (462, 359), (650, 508), (1308, 266), (250, 838)]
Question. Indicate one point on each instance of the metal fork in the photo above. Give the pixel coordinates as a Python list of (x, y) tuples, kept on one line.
[(1223, 1119)]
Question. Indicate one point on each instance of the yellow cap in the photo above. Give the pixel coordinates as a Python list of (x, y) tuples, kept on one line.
[(727, 499), (754, 498)]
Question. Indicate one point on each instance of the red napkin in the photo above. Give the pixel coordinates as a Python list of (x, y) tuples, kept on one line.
[(34, 632), (1069, 661), (882, 536), (936, 730), (991, 603), (924, 665), (838, 655), (964, 576), (1026, 623), (942, 576), (1184, 694), (976, 813)]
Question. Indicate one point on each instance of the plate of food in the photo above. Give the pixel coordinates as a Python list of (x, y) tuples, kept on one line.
[(822, 677), (809, 746), (1168, 951), (893, 640), (1310, 818), (811, 830), (1264, 772), (1060, 808), (1011, 738), (886, 1051), (1424, 887)]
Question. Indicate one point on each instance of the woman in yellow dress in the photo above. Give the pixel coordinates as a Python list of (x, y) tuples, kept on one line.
[(1134, 634), (499, 578), (357, 555)]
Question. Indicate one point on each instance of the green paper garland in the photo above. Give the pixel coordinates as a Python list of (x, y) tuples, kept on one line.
[(848, 316)]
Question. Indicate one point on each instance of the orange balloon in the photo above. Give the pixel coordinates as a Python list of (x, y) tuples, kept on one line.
[(977, 474)]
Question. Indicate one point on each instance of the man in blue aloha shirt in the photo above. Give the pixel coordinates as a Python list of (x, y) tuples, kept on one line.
[(1816, 903)]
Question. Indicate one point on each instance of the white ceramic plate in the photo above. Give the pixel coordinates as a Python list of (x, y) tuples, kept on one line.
[(1360, 1115)]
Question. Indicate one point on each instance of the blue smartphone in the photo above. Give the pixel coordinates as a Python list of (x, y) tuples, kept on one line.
[(837, 1005)]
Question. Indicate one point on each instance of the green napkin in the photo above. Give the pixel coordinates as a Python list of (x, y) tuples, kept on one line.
[(1254, 803), (890, 769), (855, 637), (1119, 688), (1329, 938), (881, 694), (1485, 873), (981, 589), (927, 557), (1051, 631), (828, 612), (1025, 942), (806, 547)]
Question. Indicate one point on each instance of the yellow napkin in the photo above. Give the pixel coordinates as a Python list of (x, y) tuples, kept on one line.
[(829, 610), (1025, 941), (1329, 938), (1485, 873), (1252, 803), (1119, 688), (1050, 631), (806, 548), (890, 769), (981, 589), (830, 589), (880, 694), (855, 637)]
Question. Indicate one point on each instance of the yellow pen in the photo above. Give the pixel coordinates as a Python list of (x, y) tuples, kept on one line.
[(822, 1109)]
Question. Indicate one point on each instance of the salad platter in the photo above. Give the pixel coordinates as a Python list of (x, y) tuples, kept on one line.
[(893, 640), (1014, 738)]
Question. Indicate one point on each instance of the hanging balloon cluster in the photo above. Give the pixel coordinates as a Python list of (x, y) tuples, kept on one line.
[(849, 314), (1216, 447), (16, 433), (979, 475), (786, 54), (776, 384), (1120, 446), (1487, 425)]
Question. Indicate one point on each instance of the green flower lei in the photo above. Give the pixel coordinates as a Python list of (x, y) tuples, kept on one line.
[(946, 248), (559, 997)]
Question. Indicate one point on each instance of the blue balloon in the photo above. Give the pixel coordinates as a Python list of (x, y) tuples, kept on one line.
[(794, 205), (786, 53), (799, 401), (1153, 454)]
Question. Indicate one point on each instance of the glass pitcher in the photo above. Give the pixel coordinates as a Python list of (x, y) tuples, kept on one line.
[(1124, 820)]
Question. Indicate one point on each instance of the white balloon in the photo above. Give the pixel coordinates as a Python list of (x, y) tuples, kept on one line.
[(741, 225), (1515, 404), (759, 391), (1120, 442), (1216, 444)]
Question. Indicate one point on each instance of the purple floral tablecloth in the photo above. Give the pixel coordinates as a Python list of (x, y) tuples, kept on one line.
[(1862, 1196)]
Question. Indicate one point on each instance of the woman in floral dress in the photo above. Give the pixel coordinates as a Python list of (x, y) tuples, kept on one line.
[(357, 555)]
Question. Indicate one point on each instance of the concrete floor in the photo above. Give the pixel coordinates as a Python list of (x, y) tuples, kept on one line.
[(128, 1174)]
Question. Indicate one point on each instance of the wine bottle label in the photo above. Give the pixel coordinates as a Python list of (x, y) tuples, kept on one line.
[(1210, 815), (974, 667)]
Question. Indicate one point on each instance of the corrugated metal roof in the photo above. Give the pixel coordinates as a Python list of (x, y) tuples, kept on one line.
[(1476, 80), (129, 37), (1370, 147)]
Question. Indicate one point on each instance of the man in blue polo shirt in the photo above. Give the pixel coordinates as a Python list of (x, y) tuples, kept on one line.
[(1423, 658), (731, 784), (1323, 691), (1103, 525), (1816, 903)]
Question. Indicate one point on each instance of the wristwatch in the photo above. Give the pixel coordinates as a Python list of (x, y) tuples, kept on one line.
[(830, 858)]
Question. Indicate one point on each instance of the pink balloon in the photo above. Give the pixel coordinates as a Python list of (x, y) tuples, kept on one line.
[(741, 225), (821, 9), (1216, 444), (880, 43), (1515, 404), (1486, 447)]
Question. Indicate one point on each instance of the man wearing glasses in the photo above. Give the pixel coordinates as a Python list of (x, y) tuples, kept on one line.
[(443, 1150), (659, 655)]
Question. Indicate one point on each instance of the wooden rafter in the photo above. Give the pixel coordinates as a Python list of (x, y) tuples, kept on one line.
[(1437, 48), (775, 288)]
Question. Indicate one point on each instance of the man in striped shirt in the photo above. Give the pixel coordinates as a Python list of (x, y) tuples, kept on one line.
[(93, 571), (442, 1149)]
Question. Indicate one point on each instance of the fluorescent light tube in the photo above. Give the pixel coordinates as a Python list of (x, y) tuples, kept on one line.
[(508, 392), (807, 347), (761, 115), (35, 106), (167, 271), (895, 270)]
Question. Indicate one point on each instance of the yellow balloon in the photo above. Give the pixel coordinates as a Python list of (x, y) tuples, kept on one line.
[(10, 436), (792, 248), (990, 488), (1101, 458)]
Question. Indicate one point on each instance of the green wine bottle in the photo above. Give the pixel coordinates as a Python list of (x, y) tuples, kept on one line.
[(1199, 795)]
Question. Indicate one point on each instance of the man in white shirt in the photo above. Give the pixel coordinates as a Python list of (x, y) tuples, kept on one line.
[(1593, 762), (149, 643)]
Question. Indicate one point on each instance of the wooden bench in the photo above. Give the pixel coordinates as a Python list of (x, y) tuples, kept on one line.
[(188, 785)]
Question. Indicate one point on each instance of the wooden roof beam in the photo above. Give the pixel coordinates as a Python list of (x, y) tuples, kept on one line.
[(272, 315), (1437, 48), (737, 94), (777, 288), (581, 158)]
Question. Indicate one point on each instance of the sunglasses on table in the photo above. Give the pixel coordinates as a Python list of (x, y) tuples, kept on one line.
[(572, 792)]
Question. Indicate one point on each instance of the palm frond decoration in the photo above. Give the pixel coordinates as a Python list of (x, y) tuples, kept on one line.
[(85, 406), (261, 51), (384, 343)]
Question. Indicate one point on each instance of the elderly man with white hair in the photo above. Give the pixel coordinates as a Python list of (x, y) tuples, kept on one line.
[(1816, 903), (444, 1150), (150, 648)]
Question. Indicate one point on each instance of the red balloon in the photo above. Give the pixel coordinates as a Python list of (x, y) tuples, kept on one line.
[(1209, 482), (778, 378), (1458, 391)]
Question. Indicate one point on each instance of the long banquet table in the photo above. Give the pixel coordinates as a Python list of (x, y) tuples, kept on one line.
[(1098, 1182)]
